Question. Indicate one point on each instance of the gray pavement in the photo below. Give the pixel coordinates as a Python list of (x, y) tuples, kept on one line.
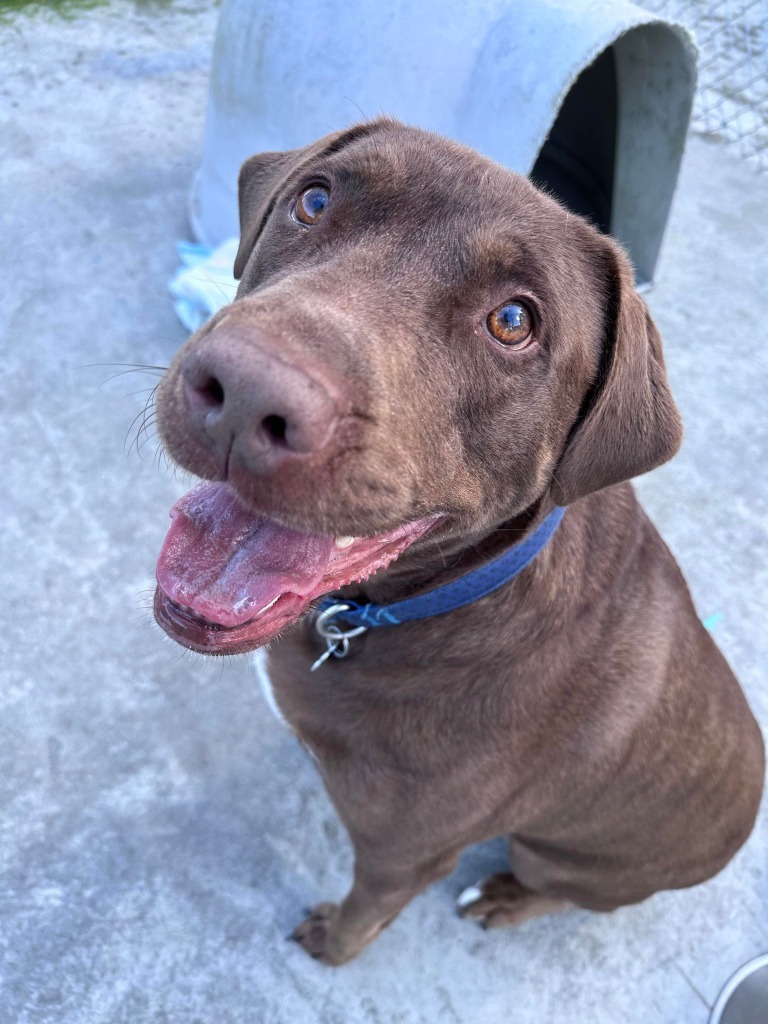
[(159, 831)]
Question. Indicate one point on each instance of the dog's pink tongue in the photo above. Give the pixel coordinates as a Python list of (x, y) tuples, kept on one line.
[(228, 564)]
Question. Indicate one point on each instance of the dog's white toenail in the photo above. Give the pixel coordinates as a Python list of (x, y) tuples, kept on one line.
[(470, 895)]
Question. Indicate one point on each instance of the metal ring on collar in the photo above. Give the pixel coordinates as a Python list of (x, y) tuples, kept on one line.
[(329, 630), (336, 638)]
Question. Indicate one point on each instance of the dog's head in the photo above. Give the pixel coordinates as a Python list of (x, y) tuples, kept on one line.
[(422, 344)]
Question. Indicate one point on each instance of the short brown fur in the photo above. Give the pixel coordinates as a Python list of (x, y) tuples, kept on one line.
[(582, 709)]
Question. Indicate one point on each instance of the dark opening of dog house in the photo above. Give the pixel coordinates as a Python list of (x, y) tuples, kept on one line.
[(577, 161), (614, 149)]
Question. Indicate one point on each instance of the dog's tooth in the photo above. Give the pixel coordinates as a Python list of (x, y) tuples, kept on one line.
[(266, 606), (344, 542)]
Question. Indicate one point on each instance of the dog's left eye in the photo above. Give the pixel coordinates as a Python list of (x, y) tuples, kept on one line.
[(312, 204), (511, 324)]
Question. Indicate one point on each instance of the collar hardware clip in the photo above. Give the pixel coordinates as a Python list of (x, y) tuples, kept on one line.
[(336, 638)]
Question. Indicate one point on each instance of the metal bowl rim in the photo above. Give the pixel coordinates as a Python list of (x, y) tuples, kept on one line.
[(733, 983)]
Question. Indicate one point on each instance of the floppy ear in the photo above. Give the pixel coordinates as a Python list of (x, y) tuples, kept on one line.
[(629, 423), (258, 181)]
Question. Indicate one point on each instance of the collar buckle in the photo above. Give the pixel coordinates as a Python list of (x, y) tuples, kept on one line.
[(336, 638)]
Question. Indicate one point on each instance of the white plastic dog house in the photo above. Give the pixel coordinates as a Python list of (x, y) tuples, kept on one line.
[(591, 98)]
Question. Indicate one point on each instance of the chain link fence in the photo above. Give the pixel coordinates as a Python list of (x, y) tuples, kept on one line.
[(732, 96)]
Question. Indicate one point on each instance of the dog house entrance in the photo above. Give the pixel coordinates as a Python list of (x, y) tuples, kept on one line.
[(577, 161)]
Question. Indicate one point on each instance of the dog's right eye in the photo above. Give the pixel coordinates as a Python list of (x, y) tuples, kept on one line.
[(511, 325), (312, 204)]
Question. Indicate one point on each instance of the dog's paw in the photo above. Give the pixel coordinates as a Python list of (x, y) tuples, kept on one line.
[(501, 900), (473, 903), (314, 934)]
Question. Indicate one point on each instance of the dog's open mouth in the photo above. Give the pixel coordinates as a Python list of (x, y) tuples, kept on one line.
[(229, 580)]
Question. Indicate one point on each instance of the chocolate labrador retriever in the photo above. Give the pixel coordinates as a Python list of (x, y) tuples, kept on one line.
[(426, 359)]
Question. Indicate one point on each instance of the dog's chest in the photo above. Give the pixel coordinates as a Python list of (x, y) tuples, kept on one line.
[(260, 664)]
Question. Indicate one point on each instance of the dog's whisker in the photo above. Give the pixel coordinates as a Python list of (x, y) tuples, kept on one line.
[(159, 455), (148, 440), (130, 431), (122, 373), (141, 391), (205, 279), (147, 431), (147, 415), (130, 366)]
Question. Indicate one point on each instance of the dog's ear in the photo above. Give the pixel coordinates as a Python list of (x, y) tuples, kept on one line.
[(629, 422), (259, 179)]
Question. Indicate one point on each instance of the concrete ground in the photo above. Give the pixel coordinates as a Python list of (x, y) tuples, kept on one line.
[(160, 831)]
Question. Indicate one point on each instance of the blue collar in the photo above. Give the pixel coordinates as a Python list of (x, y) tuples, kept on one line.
[(447, 598)]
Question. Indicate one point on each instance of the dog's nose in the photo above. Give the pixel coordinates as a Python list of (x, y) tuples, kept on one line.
[(243, 397)]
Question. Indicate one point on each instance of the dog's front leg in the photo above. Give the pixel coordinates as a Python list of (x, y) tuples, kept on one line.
[(335, 933)]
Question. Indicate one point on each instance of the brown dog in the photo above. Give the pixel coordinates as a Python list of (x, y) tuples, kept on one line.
[(425, 356)]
